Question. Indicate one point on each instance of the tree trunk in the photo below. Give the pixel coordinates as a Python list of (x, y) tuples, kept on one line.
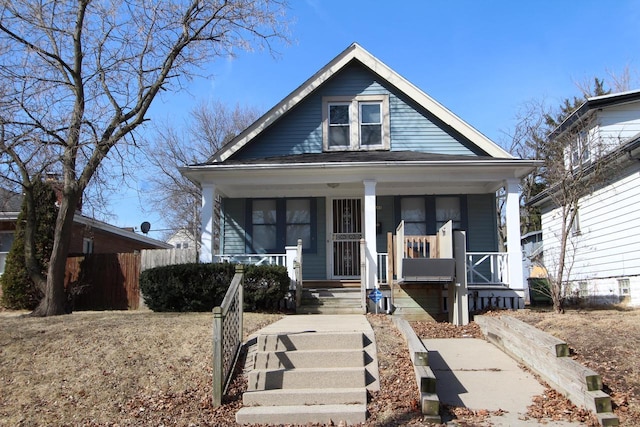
[(55, 301)]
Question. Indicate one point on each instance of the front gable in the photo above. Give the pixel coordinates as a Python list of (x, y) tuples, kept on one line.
[(407, 125), (410, 119)]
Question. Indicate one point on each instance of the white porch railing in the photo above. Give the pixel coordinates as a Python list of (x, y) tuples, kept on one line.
[(255, 259), (487, 268)]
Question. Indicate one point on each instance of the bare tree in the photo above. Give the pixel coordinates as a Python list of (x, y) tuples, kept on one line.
[(78, 77), (573, 166), (209, 126)]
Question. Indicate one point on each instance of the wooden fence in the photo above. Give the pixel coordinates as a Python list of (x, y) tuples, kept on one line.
[(161, 257), (104, 281)]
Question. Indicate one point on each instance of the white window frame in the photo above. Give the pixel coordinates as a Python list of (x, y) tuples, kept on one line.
[(624, 287), (87, 245), (354, 117), (581, 150)]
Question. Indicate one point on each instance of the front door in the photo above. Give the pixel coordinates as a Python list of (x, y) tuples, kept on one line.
[(345, 236)]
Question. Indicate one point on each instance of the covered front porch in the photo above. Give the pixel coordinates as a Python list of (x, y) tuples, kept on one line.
[(344, 211)]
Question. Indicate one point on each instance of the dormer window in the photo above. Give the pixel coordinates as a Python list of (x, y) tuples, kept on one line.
[(581, 150), (356, 123)]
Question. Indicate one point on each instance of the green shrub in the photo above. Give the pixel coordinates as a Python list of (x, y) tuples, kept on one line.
[(19, 292), (265, 286), (200, 287)]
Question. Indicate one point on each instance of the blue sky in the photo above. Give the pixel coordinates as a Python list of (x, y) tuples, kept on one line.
[(480, 59)]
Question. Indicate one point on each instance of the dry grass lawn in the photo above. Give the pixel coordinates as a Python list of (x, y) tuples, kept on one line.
[(145, 368), (88, 367), (605, 340)]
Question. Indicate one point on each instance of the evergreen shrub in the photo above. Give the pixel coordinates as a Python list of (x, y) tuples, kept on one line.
[(200, 287)]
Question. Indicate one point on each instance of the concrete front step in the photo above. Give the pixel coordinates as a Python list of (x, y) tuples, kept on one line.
[(311, 341), (303, 414), (305, 396), (319, 309), (333, 358), (315, 378)]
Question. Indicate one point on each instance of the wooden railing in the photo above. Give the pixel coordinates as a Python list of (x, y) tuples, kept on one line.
[(420, 246), (227, 335), (487, 269)]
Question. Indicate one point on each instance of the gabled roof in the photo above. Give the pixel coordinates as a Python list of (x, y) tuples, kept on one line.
[(356, 52), (594, 103)]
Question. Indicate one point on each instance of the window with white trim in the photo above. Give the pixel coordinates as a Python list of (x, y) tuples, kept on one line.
[(624, 287), (87, 245), (583, 289), (356, 123), (581, 150)]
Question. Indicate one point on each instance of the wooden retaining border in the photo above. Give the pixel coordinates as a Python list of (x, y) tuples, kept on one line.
[(547, 356), (425, 378)]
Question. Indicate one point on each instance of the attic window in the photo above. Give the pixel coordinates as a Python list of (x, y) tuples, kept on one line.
[(356, 123), (581, 150)]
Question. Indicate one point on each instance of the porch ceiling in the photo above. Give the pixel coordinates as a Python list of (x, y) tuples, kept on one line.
[(336, 179)]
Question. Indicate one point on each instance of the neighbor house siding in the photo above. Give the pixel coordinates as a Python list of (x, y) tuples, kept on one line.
[(482, 223), (618, 123), (233, 226), (608, 242), (300, 130)]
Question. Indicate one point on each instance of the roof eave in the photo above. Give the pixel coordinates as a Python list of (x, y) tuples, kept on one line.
[(80, 219)]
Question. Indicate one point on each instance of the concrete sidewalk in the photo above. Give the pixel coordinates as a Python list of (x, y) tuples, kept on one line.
[(475, 374)]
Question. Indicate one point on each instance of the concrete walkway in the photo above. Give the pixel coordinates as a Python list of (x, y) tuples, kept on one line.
[(475, 374)]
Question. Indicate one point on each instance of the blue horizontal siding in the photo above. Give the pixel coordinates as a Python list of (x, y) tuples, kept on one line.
[(314, 264), (233, 217), (483, 223), (300, 130)]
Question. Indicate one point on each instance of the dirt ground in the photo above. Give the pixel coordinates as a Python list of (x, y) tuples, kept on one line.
[(144, 368)]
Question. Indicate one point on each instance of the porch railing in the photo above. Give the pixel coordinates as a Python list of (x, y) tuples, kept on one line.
[(487, 269), (254, 259)]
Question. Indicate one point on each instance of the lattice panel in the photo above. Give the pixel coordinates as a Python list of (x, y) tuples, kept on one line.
[(230, 335)]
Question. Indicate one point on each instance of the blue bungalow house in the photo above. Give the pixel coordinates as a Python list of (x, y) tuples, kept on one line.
[(344, 159)]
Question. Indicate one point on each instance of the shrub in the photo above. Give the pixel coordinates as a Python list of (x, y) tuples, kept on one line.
[(18, 290), (200, 287), (265, 286)]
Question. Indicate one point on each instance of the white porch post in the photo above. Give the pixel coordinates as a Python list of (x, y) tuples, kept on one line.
[(207, 225), (370, 232), (512, 213)]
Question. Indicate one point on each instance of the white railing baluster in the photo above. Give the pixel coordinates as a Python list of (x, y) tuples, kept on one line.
[(487, 269)]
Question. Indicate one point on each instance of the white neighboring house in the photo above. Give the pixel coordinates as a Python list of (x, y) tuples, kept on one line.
[(604, 247), (182, 239)]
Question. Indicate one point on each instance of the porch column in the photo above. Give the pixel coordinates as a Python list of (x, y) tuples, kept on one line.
[(370, 232), (207, 225), (512, 214)]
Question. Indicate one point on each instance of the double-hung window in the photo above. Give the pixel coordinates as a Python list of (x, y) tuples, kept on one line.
[(264, 223), (581, 150), (356, 123), (339, 125), (276, 223), (424, 215)]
